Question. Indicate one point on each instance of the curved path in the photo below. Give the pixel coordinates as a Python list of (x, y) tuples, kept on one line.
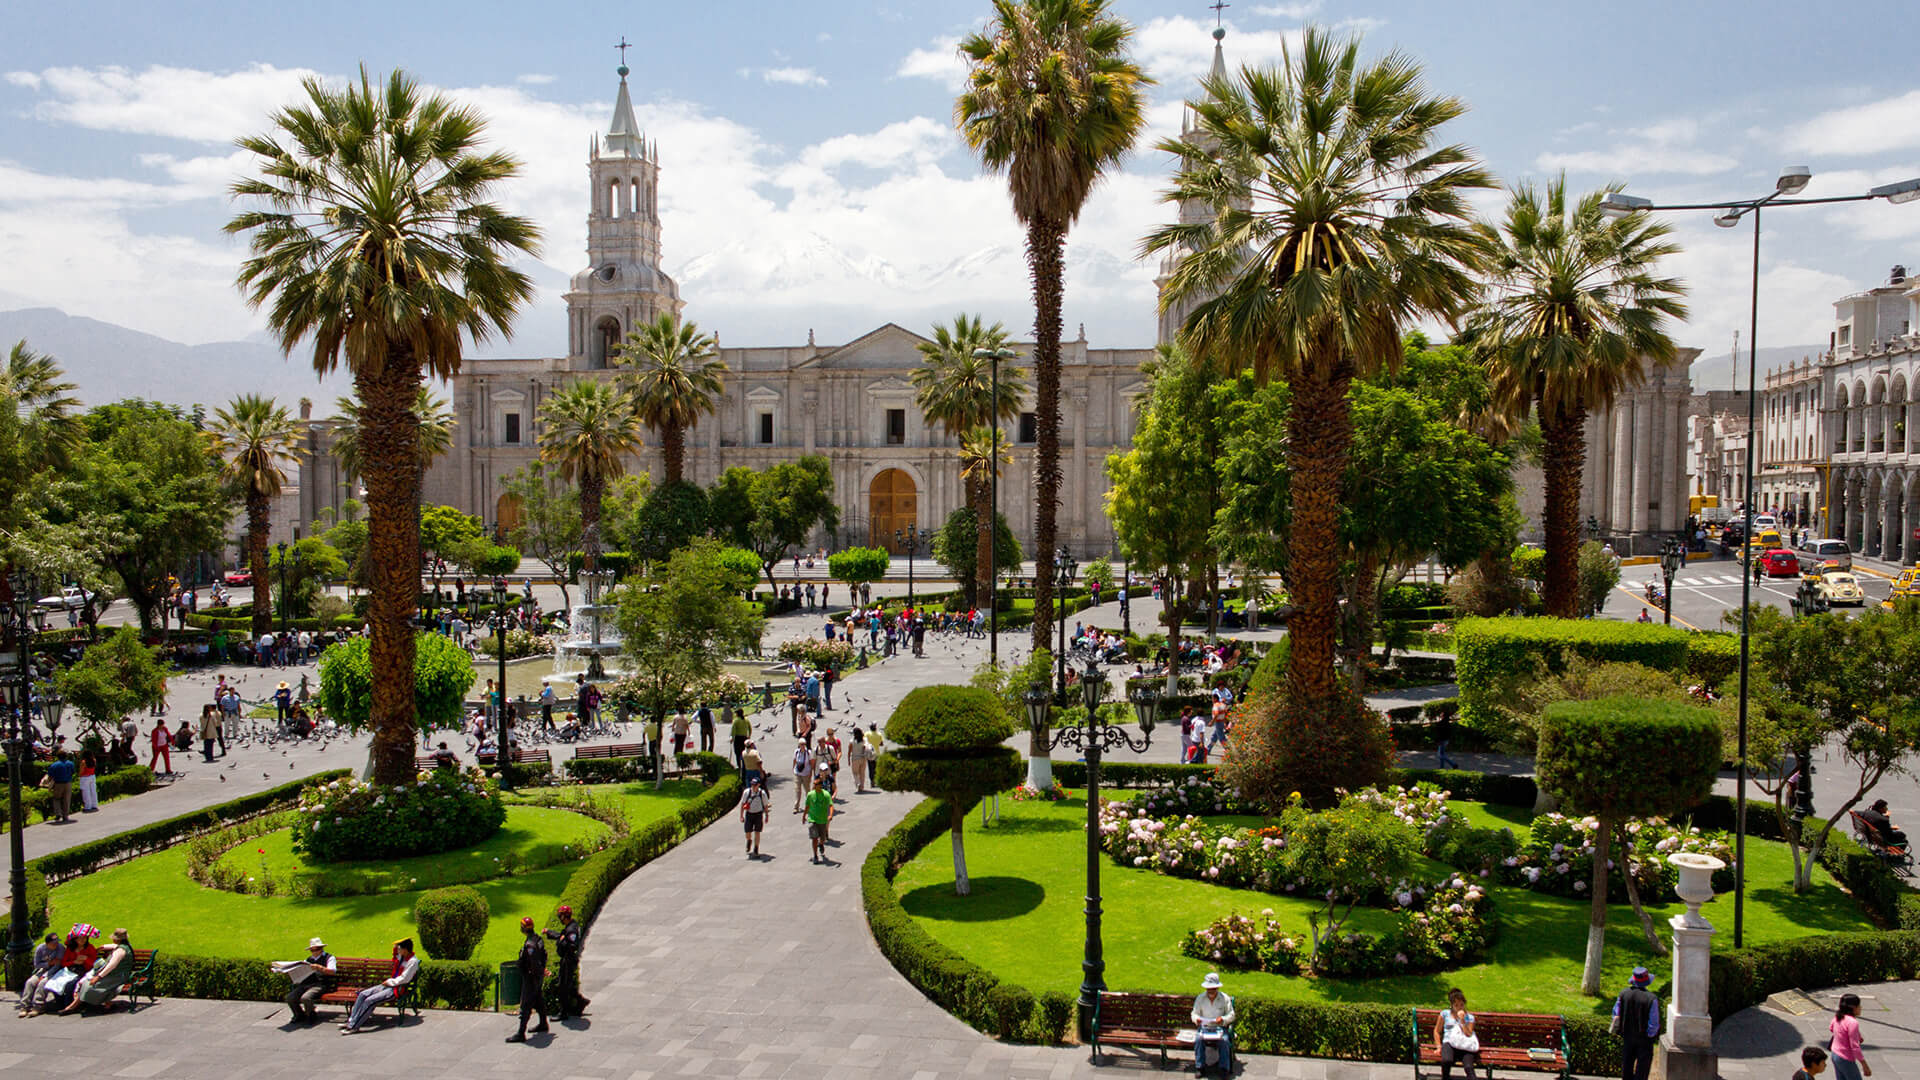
[(703, 963)]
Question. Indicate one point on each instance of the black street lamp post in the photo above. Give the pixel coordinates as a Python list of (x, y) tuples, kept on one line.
[(910, 538), (1672, 558), (505, 755), (1063, 570), (19, 749), (1792, 181), (1091, 738)]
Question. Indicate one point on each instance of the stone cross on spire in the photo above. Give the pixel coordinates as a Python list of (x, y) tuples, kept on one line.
[(623, 47), (1218, 6)]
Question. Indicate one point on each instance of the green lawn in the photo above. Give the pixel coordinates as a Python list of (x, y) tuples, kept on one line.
[(162, 908), (1024, 920)]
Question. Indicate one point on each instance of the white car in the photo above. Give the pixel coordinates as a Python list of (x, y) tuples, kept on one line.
[(1762, 522), (73, 596)]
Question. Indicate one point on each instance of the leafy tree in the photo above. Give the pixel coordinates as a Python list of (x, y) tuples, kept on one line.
[(949, 740), (955, 389), (259, 442), (303, 567), (146, 487), (674, 373), (954, 545), (1598, 573), (349, 539), (1099, 572), (790, 500), (115, 677), (1054, 101), (1620, 758), (859, 565), (446, 534), (1578, 308), (1316, 289), (679, 624), (620, 511), (730, 506), (548, 530), (39, 432), (1851, 682), (672, 516), (588, 431), (1356, 849), (371, 236), (744, 565), (442, 675)]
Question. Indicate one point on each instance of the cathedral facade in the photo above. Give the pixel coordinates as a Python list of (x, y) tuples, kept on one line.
[(852, 403)]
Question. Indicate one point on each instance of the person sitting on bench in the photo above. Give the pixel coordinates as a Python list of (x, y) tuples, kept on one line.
[(1213, 1016), (1876, 816), (406, 967)]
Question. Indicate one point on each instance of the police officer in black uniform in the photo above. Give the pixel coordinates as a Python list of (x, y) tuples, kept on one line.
[(566, 942), (533, 973)]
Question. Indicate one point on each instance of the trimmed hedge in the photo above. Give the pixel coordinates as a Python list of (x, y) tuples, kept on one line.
[(454, 984), (1491, 650), (1712, 658), (1742, 978), (965, 989), (128, 780)]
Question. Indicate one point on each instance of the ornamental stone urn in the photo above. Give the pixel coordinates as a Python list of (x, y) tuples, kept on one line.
[(1688, 1041)]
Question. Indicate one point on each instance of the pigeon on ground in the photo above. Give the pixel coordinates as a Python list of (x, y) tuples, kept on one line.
[(223, 779)]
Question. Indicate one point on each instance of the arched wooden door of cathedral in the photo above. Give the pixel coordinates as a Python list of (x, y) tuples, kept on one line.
[(892, 506)]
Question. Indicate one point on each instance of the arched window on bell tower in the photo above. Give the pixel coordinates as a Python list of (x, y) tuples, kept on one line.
[(606, 342)]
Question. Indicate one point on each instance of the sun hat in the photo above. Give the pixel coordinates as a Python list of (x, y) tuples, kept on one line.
[(1642, 975), (283, 685), (316, 943), (1211, 982)]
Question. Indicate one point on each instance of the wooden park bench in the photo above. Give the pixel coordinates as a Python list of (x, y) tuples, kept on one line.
[(610, 750), (428, 763), (1527, 1042), (141, 981), (1870, 838), (521, 757), (1150, 1020), (353, 974)]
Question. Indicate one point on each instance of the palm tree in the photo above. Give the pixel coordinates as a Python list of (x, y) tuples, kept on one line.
[(587, 430), (41, 401), (258, 440), (674, 374), (372, 242), (436, 431), (983, 453), (1578, 309), (1053, 100), (1338, 220), (955, 389)]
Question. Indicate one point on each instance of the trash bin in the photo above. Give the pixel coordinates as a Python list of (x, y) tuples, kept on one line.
[(507, 988)]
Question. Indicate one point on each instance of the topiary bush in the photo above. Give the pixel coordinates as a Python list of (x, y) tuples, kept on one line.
[(1492, 652), (1712, 658), (442, 672), (1272, 670), (451, 921), (440, 811), (950, 748)]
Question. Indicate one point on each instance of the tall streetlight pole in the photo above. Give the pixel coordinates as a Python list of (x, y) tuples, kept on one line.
[(912, 538), (19, 749), (993, 508), (1792, 181), (1091, 737), (1063, 568), (1672, 557), (500, 688)]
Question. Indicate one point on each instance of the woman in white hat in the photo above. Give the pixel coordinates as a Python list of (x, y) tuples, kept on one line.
[(1213, 1016)]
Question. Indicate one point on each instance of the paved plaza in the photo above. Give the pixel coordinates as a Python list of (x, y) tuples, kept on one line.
[(702, 964)]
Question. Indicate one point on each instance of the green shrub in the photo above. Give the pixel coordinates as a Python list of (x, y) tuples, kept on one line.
[(1741, 978), (1625, 757), (1272, 670), (1712, 658), (451, 921), (609, 770), (949, 718), (1491, 652), (443, 810), (454, 984), (442, 674)]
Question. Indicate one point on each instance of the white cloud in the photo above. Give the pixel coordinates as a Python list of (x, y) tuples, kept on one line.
[(1634, 161), (533, 79), (201, 106), (1877, 126), (940, 62), (794, 76), (1289, 11)]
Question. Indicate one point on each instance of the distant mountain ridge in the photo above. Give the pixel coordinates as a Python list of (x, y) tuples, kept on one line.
[(1716, 372), (111, 363)]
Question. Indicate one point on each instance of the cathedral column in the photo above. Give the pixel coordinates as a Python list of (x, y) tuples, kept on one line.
[(1642, 439), (1620, 467), (810, 409), (1077, 484)]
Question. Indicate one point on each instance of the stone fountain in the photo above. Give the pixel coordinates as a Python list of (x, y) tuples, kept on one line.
[(591, 637)]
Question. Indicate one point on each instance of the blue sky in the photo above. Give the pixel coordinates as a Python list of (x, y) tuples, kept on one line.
[(812, 179)]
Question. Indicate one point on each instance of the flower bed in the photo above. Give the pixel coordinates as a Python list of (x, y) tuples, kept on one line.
[(441, 810), (1558, 858), (815, 653)]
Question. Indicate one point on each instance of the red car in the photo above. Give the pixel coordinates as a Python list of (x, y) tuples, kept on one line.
[(1779, 562), (238, 577)]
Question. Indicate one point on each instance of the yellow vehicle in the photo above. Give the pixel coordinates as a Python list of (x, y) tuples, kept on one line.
[(1697, 503), (1907, 585), (1762, 541), (1841, 587)]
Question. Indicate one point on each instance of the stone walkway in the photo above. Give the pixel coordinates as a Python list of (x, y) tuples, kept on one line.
[(704, 964)]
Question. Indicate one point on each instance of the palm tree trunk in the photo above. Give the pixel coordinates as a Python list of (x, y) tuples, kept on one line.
[(389, 446), (1359, 620), (591, 489), (1564, 454), (1319, 431), (977, 497), (673, 450), (1046, 239), (257, 522)]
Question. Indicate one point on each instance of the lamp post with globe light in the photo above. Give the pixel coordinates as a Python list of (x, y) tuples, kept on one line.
[(19, 740), (1792, 181), (1064, 567)]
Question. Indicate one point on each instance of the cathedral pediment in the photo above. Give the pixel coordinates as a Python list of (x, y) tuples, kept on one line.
[(890, 346)]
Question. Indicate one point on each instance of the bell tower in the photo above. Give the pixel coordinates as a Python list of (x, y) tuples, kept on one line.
[(623, 286), (1192, 211)]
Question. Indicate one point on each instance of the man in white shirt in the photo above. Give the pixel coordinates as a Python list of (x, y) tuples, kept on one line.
[(802, 774), (1213, 1016), (365, 1001)]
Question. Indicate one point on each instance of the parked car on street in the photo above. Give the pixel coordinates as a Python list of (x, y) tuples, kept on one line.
[(1841, 587), (1814, 553), (1905, 587), (73, 596), (1779, 562), (238, 577)]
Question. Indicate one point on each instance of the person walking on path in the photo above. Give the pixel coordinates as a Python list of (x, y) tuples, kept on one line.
[(1636, 1019), (705, 718), (827, 679), (751, 767), (753, 815), (566, 942), (60, 774), (802, 771), (680, 725), (857, 757), (89, 787), (1442, 738), (819, 816), (1813, 1062), (739, 730), (209, 730), (162, 742), (533, 976), (1849, 1060)]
